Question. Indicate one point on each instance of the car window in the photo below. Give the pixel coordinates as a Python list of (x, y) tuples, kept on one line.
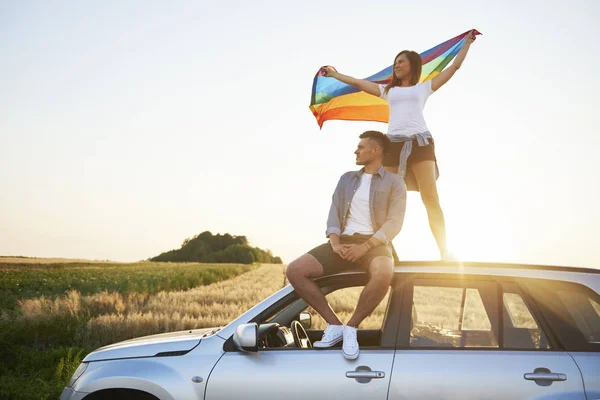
[(584, 311), (596, 306), (343, 302), (571, 310), (520, 328), (447, 314)]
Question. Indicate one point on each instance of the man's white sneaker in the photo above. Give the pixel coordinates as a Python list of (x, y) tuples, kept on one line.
[(331, 335), (350, 348)]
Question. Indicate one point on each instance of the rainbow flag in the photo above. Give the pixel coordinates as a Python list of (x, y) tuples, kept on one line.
[(332, 99)]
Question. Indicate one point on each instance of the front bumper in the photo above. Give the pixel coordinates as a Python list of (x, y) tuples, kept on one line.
[(70, 394)]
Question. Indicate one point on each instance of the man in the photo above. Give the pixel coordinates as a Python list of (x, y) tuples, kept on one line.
[(366, 213)]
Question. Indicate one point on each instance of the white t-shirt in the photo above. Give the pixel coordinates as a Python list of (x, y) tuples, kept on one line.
[(359, 220), (406, 108)]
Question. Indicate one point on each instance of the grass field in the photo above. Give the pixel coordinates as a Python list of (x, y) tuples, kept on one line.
[(35, 260), (53, 313), (20, 280)]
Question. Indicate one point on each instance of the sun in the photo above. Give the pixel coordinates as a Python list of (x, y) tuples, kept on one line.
[(473, 233)]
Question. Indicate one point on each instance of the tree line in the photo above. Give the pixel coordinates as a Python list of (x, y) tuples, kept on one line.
[(209, 248)]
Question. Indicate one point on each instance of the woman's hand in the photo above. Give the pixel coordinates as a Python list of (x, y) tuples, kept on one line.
[(444, 76), (470, 38), (362, 84), (328, 71)]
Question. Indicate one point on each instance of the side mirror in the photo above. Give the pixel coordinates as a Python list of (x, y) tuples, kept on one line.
[(245, 337), (305, 320)]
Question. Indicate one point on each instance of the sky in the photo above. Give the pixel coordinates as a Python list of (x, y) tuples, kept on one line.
[(128, 126)]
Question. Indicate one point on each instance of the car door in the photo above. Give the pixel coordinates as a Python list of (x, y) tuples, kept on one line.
[(573, 311), (291, 373), (477, 338)]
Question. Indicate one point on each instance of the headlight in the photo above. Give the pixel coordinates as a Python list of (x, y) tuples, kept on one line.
[(78, 372)]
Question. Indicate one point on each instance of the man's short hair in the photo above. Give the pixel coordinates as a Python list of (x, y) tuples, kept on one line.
[(381, 139)]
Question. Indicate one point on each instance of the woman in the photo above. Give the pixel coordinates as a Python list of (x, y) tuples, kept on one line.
[(413, 150)]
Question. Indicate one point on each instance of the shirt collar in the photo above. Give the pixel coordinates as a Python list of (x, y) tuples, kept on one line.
[(381, 172)]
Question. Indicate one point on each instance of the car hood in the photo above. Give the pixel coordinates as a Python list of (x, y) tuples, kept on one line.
[(176, 343)]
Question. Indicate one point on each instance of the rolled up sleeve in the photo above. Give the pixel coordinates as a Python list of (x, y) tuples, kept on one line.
[(334, 225)]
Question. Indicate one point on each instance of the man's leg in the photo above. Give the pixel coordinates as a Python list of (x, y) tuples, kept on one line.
[(300, 274), (382, 271)]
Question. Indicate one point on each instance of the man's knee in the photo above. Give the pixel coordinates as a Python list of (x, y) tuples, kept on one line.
[(304, 267), (293, 270), (382, 269)]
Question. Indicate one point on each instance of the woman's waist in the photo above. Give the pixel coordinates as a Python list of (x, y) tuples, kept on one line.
[(414, 136)]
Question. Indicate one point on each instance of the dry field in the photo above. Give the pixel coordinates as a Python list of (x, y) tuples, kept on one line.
[(58, 312), (115, 316), (35, 260)]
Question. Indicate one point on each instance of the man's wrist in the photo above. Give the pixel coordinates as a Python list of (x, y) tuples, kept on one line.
[(372, 242)]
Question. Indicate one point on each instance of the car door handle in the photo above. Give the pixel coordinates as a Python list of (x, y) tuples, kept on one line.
[(365, 374), (548, 377)]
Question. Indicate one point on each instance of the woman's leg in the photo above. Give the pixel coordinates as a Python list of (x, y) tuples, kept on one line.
[(424, 172)]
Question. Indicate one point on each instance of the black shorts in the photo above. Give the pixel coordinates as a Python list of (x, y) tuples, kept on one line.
[(332, 263), (418, 153)]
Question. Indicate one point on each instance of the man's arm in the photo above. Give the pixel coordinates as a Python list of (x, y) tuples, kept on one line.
[(395, 219), (333, 221), (334, 240), (334, 225)]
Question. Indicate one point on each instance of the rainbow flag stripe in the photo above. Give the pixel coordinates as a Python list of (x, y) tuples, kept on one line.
[(332, 99)]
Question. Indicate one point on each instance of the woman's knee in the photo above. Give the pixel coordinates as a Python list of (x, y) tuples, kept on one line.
[(429, 196), (430, 199)]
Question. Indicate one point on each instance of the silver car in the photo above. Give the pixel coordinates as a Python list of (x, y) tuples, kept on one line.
[(445, 331)]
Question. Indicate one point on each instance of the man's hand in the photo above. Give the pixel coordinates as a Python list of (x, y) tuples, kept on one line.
[(340, 249), (355, 252)]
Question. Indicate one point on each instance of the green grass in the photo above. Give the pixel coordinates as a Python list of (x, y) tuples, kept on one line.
[(38, 356), (27, 374), (18, 281)]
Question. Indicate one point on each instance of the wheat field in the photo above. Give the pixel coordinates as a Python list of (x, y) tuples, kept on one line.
[(112, 316), (62, 326), (35, 260)]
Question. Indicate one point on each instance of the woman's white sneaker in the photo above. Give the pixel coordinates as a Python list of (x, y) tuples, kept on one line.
[(350, 348), (332, 335)]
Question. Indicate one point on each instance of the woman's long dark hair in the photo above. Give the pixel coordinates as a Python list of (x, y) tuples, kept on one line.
[(414, 59)]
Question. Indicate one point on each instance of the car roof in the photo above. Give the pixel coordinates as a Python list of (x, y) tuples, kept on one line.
[(402, 265)]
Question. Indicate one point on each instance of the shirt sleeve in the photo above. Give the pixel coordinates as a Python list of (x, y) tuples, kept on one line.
[(426, 87), (333, 220), (382, 92)]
